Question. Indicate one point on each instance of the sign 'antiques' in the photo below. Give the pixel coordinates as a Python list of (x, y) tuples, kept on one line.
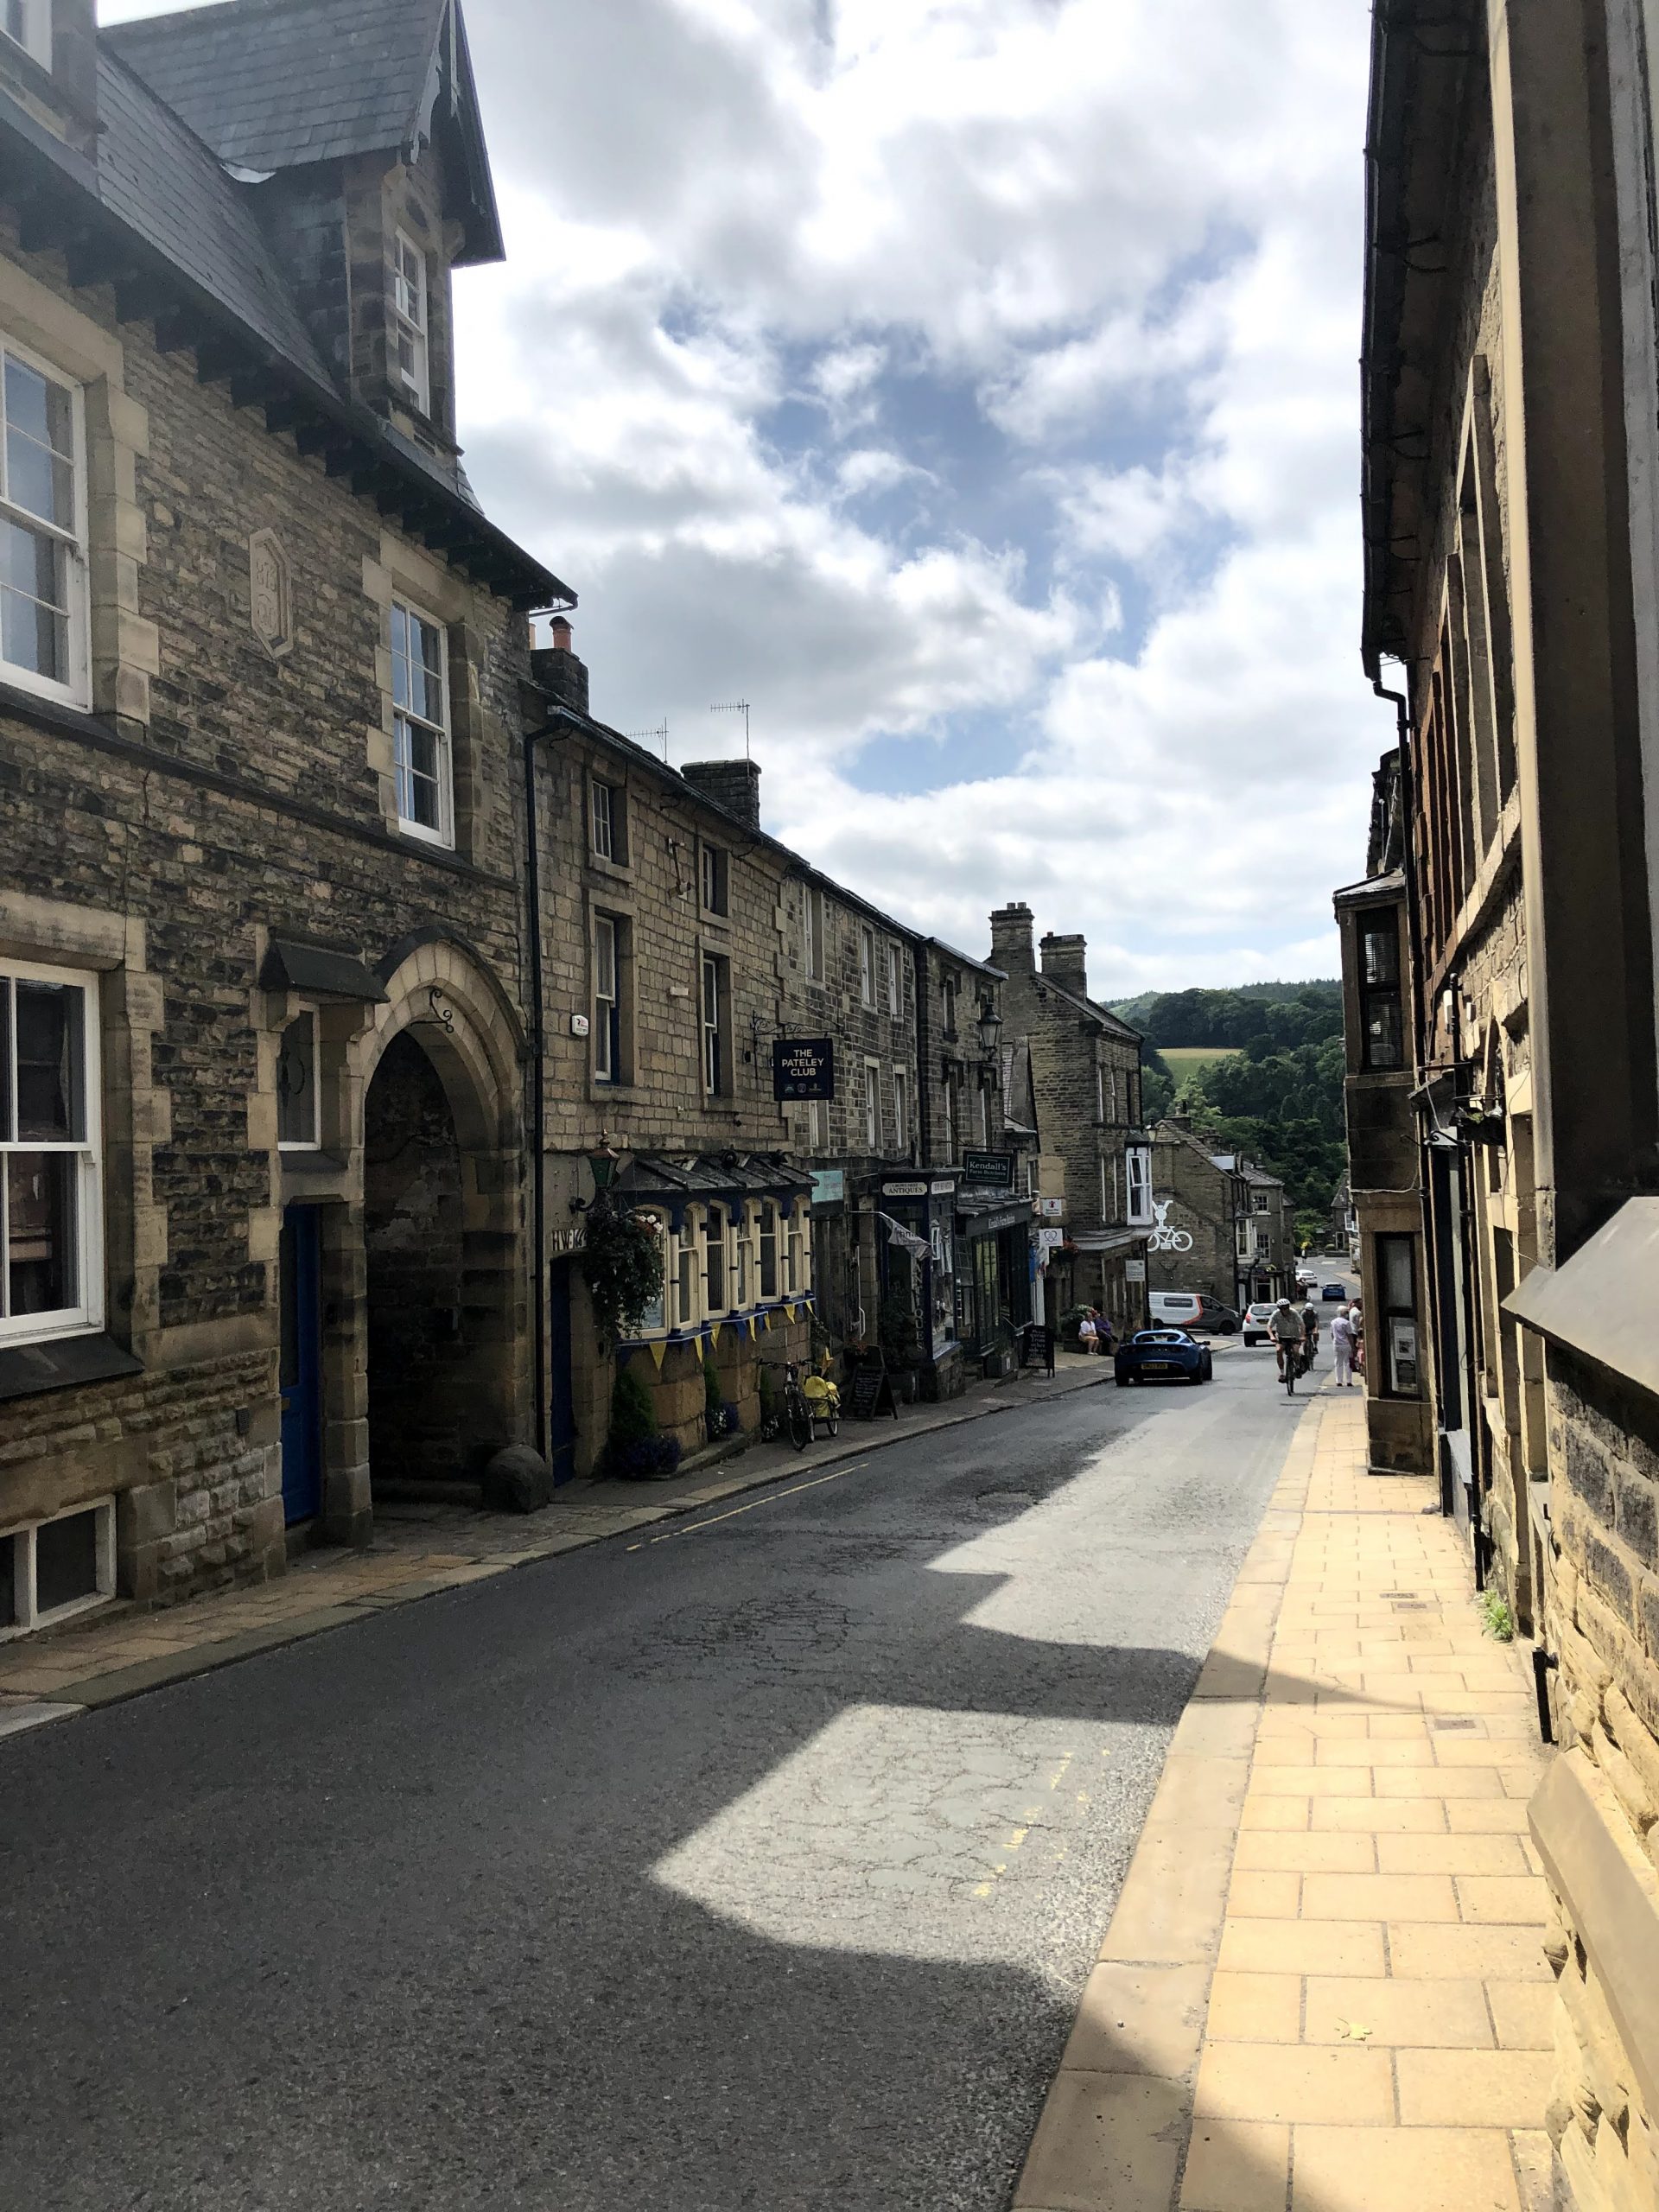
[(988, 1170), (802, 1067)]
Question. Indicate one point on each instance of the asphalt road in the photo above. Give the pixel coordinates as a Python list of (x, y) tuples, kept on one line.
[(756, 1864)]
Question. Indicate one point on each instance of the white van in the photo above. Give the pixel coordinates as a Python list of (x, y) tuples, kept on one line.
[(1188, 1309)]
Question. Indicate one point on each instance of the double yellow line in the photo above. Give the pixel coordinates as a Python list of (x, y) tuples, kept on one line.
[(771, 1497)]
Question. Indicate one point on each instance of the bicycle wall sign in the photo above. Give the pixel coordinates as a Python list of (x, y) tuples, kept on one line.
[(1163, 1237)]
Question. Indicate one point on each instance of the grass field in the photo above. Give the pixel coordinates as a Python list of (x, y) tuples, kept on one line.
[(1188, 1059)]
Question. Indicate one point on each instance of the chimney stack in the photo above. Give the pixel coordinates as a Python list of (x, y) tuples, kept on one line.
[(558, 671), (1065, 962), (733, 785), (1011, 928)]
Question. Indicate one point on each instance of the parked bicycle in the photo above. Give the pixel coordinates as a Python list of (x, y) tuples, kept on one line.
[(808, 1405)]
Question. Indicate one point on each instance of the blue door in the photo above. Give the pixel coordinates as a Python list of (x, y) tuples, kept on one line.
[(561, 1408), (302, 1369)]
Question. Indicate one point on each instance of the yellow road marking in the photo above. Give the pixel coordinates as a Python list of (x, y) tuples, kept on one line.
[(771, 1499)]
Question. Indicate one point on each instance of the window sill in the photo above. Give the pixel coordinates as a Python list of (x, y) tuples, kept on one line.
[(614, 871), (60, 1363)]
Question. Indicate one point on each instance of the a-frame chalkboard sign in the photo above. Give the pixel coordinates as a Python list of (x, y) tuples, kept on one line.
[(872, 1387)]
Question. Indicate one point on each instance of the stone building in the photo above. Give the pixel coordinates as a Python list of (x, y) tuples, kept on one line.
[(1220, 1224), (982, 1181), (663, 974), (261, 939), (1511, 416), (1384, 1153), (1084, 1077)]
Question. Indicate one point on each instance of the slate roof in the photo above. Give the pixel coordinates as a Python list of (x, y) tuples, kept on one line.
[(1113, 1024), (159, 178), (272, 83)]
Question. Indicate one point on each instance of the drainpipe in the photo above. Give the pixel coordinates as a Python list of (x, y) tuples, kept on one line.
[(564, 722)]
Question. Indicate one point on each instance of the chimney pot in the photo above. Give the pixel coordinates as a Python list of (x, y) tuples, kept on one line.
[(732, 786), (1011, 928), (1065, 962)]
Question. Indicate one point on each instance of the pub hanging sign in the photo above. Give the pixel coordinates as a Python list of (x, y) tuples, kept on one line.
[(802, 1067)]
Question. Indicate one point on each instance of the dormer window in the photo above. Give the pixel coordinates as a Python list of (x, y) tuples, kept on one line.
[(27, 23), (408, 319)]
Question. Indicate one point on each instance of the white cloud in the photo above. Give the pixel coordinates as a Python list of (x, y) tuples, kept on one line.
[(1075, 286)]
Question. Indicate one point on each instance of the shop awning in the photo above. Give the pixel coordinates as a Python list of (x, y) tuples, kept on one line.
[(1108, 1240), (984, 1217), (1604, 1302), (720, 1176)]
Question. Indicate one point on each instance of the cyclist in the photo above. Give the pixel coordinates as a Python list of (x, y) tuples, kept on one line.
[(1285, 1327), (1310, 1333)]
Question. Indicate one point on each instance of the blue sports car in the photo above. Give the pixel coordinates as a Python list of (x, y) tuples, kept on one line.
[(1164, 1356)]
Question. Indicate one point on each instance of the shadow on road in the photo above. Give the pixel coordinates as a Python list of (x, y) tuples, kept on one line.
[(757, 1868)]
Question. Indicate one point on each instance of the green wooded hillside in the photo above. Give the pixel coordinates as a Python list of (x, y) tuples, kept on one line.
[(1276, 1096)]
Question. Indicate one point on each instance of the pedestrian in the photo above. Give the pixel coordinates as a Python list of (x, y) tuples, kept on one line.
[(1086, 1330), (1342, 1345), (1048, 1349), (1105, 1333)]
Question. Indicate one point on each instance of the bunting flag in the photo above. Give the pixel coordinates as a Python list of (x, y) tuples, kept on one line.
[(714, 1328), (657, 1346), (905, 1239), (789, 1309)]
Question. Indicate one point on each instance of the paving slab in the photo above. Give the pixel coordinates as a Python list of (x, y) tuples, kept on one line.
[(1377, 2025)]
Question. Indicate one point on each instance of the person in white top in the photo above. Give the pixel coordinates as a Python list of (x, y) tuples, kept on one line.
[(1342, 1344)]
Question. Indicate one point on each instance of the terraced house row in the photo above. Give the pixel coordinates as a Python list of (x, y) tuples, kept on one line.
[(344, 954), (1500, 948)]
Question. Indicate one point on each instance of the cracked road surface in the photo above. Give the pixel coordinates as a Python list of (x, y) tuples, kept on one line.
[(758, 1863)]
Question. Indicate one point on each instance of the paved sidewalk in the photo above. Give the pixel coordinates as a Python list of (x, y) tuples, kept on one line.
[(1323, 1989), (420, 1548)]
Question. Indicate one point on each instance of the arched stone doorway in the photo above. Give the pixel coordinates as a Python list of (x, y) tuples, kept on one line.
[(414, 1238), (426, 1347)]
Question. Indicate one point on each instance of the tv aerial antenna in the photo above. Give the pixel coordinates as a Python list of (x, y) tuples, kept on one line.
[(659, 735), (737, 706)]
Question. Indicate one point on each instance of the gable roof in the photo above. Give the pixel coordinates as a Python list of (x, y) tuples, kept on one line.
[(271, 85), (1113, 1024), (159, 178)]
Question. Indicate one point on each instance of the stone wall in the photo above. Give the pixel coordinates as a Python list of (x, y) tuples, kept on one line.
[(1601, 1622), (1202, 1198), (190, 1455)]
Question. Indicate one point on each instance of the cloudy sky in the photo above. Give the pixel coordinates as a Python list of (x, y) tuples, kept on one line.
[(970, 385)]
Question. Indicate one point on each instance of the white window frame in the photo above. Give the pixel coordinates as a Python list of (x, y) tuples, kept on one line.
[(686, 1276), (983, 1111), (871, 1106), (768, 1233), (307, 1015), (27, 1616), (1138, 1166), (407, 305), (950, 1119), (814, 934), (74, 689), (444, 834), (895, 982), (710, 1019), (36, 38), (724, 1242), (87, 1314), (866, 967), (901, 1110), (716, 879), (607, 1004)]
